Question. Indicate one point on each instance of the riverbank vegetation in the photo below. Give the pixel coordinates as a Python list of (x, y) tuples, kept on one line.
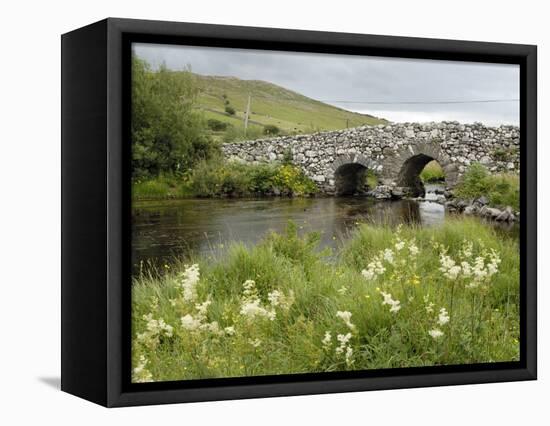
[(500, 189), (218, 178), (392, 298)]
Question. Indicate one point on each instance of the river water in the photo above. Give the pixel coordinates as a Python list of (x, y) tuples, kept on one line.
[(163, 230)]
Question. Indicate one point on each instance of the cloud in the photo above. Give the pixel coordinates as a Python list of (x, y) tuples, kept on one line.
[(358, 82)]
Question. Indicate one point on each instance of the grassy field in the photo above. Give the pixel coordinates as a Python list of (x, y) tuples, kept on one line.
[(393, 298), (273, 105)]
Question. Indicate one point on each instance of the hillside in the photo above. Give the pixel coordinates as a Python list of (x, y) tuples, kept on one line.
[(273, 105)]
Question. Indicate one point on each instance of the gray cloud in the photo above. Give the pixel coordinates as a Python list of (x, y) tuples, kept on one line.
[(347, 81)]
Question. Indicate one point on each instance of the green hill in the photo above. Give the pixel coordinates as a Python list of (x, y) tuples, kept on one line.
[(273, 105)]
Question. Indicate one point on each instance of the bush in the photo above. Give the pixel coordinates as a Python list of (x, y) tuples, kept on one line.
[(370, 179), (291, 178), (230, 110), (217, 125), (222, 179), (270, 129), (502, 154), (167, 130), (501, 189)]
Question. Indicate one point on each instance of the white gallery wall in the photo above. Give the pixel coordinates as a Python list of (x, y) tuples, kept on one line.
[(30, 211)]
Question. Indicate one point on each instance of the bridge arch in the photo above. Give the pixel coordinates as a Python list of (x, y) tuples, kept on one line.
[(349, 171), (411, 160)]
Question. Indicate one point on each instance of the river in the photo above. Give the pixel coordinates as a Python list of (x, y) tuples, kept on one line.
[(162, 230)]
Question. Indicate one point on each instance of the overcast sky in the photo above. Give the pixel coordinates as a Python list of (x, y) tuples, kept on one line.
[(357, 83)]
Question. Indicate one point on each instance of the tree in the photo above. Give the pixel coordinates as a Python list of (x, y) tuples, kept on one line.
[(167, 131)]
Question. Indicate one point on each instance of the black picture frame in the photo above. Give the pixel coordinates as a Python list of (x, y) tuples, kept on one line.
[(96, 209)]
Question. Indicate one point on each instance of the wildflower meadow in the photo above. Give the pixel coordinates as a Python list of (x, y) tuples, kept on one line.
[(391, 298)]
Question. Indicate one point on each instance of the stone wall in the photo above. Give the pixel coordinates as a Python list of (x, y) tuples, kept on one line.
[(396, 152)]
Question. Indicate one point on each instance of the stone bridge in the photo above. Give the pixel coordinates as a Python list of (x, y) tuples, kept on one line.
[(397, 153)]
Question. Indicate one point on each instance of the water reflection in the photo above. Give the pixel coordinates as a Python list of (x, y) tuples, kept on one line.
[(164, 229)]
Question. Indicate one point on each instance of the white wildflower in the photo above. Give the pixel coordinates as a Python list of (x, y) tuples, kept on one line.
[(327, 340), (229, 331), (395, 305), (349, 356), (388, 256), (443, 317), (346, 317), (436, 333), (374, 269), (342, 290), (202, 309), (492, 266), (190, 323), (190, 279), (399, 245), (413, 249), (140, 374), (343, 339), (253, 309), (467, 249), (255, 343), (368, 274), (449, 267), (466, 269), (274, 297)]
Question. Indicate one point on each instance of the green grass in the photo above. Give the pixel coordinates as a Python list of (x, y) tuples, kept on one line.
[(501, 189), (159, 188), (272, 105), (432, 172), (288, 338)]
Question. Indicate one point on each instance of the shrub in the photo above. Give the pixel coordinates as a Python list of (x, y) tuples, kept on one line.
[(167, 129), (287, 156), (270, 129), (501, 189), (291, 178), (230, 110), (502, 154), (370, 179), (217, 125), (222, 179)]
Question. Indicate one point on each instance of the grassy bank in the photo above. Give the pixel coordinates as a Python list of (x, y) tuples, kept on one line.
[(500, 189), (432, 173), (225, 179), (411, 297)]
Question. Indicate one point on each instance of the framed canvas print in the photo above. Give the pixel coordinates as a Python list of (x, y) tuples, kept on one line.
[(253, 212)]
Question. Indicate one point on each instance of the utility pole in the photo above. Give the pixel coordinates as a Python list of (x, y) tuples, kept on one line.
[(246, 115)]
